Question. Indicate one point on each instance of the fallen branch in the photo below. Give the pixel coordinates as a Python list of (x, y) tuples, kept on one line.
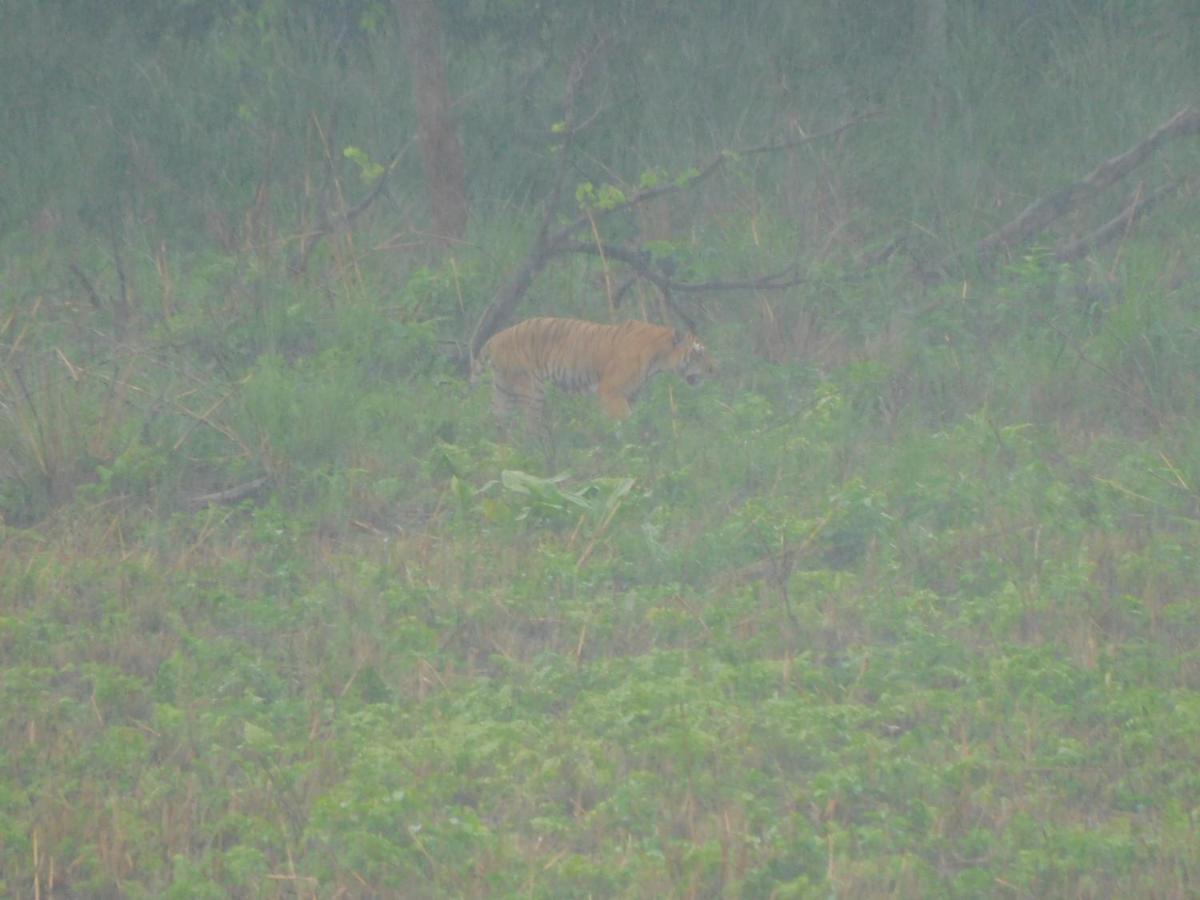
[(229, 495), (1039, 214), (1138, 206)]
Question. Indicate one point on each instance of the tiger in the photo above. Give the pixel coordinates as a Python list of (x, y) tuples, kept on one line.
[(611, 361)]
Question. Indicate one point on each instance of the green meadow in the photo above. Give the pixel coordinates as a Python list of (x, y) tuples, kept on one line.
[(905, 602)]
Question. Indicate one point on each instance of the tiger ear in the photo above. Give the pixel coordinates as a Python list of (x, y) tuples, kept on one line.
[(680, 337)]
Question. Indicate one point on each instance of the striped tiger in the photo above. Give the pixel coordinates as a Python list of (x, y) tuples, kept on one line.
[(611, 361)]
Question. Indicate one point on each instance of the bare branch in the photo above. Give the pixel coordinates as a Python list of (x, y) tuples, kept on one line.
[(329, 224), (1138, 206), (512, 292), (503, 302), (709, 169), (1042, 212), (640, 261), (548, 245), (567, 134)]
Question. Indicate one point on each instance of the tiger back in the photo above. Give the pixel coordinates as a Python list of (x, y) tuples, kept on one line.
[(612, 361)]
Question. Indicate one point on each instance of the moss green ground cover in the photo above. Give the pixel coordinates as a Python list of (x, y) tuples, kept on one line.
[(903, 603)]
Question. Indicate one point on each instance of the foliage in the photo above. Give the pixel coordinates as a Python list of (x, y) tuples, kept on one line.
[(903, 602)]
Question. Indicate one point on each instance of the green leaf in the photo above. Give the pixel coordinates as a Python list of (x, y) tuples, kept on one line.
[(368, 169), (585, 194)]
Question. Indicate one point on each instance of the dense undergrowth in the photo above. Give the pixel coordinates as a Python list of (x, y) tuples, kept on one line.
[(902, 603), (919, 620)]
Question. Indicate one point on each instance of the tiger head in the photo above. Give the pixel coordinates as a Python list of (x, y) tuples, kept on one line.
[(690, 358)]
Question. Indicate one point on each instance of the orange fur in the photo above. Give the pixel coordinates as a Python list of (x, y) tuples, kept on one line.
[(611, 361)]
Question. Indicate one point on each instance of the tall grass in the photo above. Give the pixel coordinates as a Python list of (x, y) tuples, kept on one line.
[(903, 602), (229, 131)]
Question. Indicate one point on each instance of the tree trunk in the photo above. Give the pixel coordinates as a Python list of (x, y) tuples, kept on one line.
[(441, 152), (934, 56)]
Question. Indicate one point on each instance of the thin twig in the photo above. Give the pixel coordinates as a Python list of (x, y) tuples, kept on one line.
[(328, 224), (639, 261), (549, 244), (707, 171)]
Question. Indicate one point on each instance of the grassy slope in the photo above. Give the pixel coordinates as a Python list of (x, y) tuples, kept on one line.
[(903, 603), (971, 666)]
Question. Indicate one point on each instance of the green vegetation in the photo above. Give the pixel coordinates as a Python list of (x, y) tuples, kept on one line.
[(903, 603)]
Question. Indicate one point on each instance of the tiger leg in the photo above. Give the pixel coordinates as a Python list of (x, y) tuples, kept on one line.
[(505, 400), (511, 393), (534, 403), (613, 402), (518, 392)]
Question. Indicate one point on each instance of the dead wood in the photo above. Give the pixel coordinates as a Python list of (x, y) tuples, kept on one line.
[(1042, 212), (563, 240), (1118, 225), (230, 495), (515, 288)]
